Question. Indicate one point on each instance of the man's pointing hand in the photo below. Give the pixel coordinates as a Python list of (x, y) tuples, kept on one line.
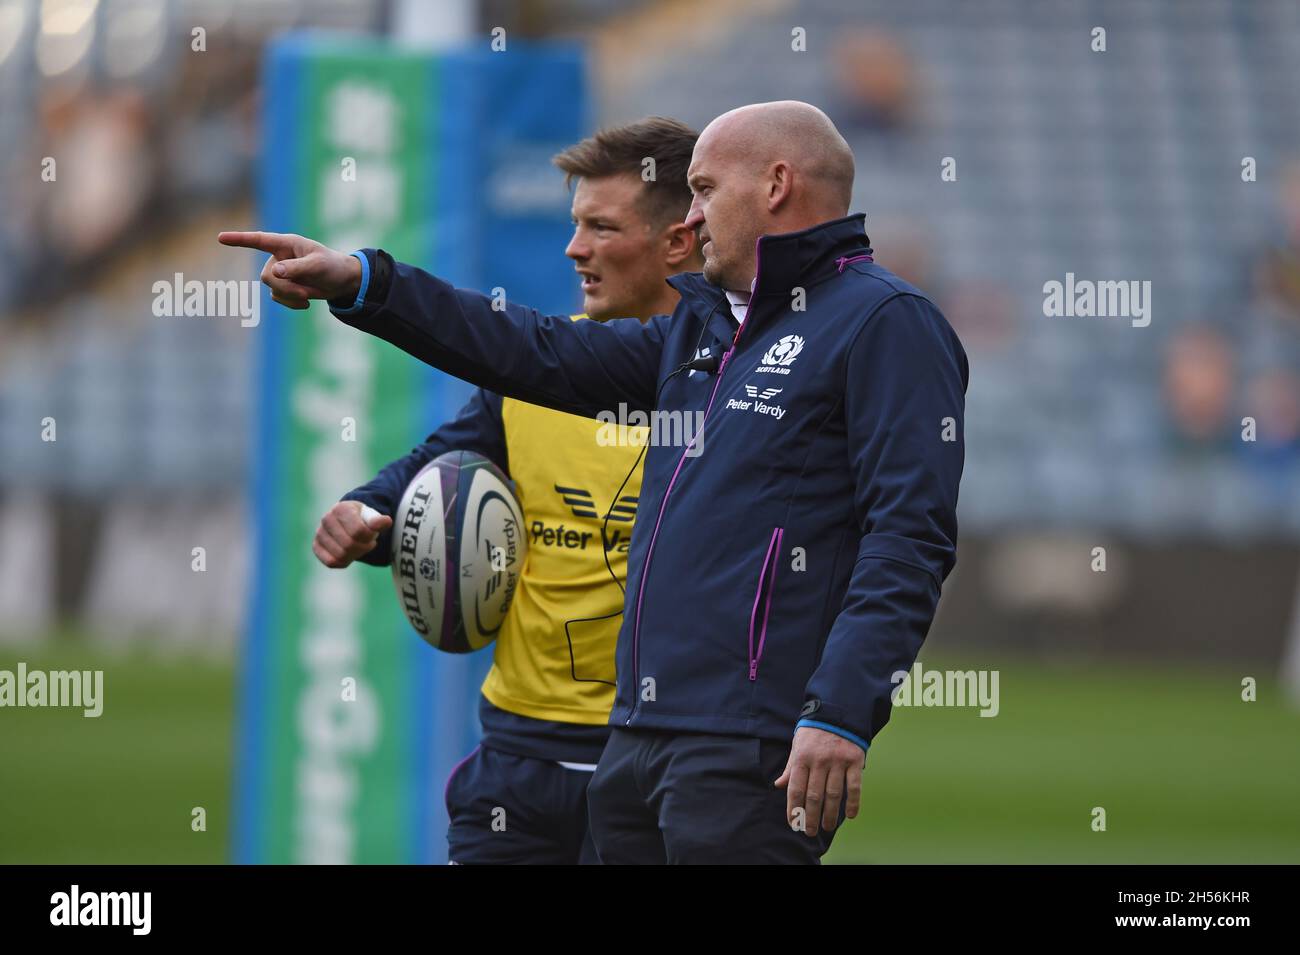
[(299, 268)]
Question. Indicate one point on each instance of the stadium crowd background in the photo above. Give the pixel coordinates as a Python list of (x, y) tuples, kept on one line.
[(1081, 432)]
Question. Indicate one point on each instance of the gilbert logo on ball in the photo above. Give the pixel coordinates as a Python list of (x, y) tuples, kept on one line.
[(458, 550)]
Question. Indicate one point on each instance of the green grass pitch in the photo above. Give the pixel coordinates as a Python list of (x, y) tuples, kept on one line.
[(1185, 770)]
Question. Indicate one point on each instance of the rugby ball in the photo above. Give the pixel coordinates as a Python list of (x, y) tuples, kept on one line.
[(458, 550)]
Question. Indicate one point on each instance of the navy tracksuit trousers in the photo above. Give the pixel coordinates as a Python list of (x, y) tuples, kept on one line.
[(669, 797)]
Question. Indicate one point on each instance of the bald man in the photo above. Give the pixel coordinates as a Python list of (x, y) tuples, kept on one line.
[(791, 548)]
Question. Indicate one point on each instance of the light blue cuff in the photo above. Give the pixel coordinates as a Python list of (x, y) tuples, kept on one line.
[(361, 293), (836, 730)]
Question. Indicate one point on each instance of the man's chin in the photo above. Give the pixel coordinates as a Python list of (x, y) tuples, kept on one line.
[(600, 309)]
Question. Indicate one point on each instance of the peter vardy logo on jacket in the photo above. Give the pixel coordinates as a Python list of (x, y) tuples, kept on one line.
[(781, 355), (776, 360)]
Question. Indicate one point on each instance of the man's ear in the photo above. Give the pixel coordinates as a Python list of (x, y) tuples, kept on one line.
[(681, 246), (780, 185)]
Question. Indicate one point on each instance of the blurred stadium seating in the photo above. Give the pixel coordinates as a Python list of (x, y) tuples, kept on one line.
[(1071, 422), (1062, 166), (1130, 169)]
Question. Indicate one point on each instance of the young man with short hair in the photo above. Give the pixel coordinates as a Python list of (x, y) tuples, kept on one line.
[(545, 703)]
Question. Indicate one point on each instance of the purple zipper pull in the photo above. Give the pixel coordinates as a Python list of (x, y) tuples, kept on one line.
[(844, 260)]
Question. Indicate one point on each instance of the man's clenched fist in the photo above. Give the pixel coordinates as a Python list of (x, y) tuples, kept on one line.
[(299, 268), (348, 530)]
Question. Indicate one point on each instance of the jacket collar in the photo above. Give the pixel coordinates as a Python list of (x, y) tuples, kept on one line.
[(787, 259)]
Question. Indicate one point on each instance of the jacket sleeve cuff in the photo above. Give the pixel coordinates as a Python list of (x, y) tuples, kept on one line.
[(338, 307), (817, 724)]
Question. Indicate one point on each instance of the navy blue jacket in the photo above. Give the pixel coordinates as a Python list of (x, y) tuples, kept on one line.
[(788, 564)]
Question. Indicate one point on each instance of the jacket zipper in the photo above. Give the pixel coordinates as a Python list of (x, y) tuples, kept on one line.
[(768, 575), (844, 260), (654, 535)]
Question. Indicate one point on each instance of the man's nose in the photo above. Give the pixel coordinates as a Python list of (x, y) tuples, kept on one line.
[(576, 249), (694, 217)]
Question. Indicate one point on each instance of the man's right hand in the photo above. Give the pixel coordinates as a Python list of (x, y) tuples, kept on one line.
[(348, 530), (299, 268)]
